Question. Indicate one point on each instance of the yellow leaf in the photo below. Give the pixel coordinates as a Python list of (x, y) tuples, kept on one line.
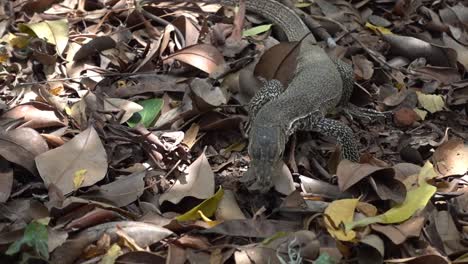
[(53, 31), (341, 212), (207, 207), (427, 172), (416, 199), (78, 178), (191, 134), (378, 29), (207, 220), (421, 113), (430, 102), (111, 255), (18, 42)]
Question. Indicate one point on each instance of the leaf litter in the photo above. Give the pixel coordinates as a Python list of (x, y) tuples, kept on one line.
[(120, 137)]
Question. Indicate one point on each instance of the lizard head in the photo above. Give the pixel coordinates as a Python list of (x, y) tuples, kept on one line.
[(266, 143), (266, 147)]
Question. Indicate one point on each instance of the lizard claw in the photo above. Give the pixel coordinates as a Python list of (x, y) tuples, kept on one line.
[(361, 112)]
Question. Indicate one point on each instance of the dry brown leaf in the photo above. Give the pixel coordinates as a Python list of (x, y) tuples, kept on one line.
[(198, 182), (84, 152), (202, 56), (451, 158)]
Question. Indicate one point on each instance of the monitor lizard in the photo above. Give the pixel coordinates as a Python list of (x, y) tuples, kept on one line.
[(319, 85)]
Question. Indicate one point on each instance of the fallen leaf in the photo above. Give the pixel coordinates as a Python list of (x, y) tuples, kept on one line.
[(256, 30), (341, 212), (202, 56), (147, 116), (79, 178), (190, 136), (451, 158), (228, 209), (430, 102), (121, 192), (378, 29), (198, 182), (416, 199), (53, 31), (112, 254), (144, 235), (349, 173), (207, 207), (116, 104), (84, 152), (399, 233), (94, 46)]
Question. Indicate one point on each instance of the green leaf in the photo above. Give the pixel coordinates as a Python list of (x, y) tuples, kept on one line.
[(256, 30), (35, 236), (207, 207), (147, 116), (53, 31)]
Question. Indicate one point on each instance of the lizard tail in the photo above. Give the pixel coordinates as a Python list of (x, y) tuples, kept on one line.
[(280, 15)]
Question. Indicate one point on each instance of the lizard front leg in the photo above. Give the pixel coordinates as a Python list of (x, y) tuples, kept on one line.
[(334, 128), (270, 91)]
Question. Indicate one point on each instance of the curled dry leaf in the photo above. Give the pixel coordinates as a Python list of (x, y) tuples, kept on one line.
[(94, 47), (36, 115), (202, 56), (399, 233), (363, 68), (451, 158), (349, 173), (84, 152), (371, 249), (278, 62), (21, 146)]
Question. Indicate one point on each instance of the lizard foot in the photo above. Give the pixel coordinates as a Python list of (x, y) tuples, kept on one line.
[(361, 112)]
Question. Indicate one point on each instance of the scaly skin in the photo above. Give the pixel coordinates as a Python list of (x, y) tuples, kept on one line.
[(319, 85)]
